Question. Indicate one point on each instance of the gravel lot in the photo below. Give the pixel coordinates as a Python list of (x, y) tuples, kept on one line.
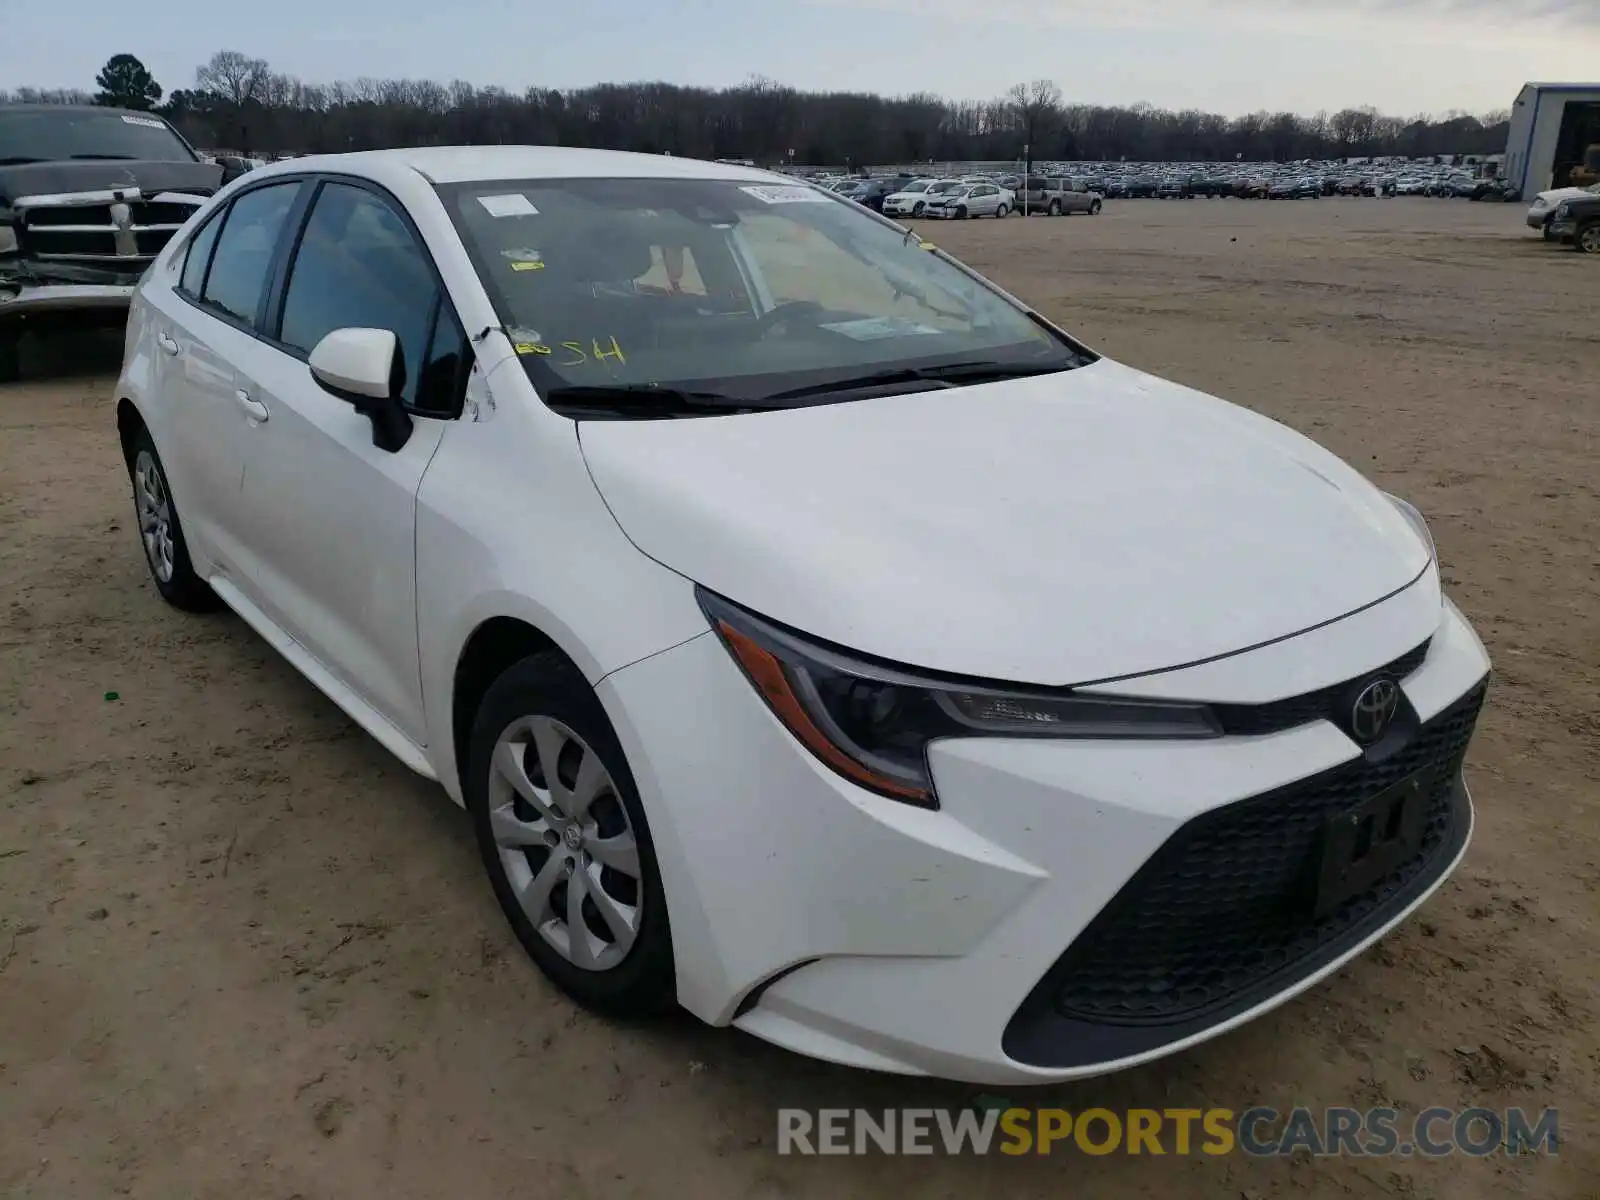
[(244, 954)]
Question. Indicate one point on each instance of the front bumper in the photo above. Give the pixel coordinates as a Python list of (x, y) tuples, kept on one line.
[(1537, 217), (1566, 228), (1013, 935), (29, 299)]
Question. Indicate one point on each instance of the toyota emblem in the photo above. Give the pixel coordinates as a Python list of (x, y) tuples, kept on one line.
[(1373, 710)]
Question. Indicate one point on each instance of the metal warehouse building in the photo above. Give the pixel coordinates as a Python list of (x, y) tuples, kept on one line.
[(1555, 130)]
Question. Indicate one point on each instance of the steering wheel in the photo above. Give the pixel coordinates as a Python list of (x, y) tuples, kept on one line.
[(768, 321)]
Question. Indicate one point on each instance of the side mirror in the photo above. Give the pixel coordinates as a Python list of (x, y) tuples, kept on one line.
[(363, 367)]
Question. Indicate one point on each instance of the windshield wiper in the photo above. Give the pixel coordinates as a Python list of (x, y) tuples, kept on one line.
[(945, 375), (646, 399), (100, 156)]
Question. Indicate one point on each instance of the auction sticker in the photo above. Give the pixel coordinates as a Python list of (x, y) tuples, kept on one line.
[(786, 195)]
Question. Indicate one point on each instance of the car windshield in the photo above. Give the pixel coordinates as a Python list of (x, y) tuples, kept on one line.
[(33, 135), (917, 186), (750, 291)]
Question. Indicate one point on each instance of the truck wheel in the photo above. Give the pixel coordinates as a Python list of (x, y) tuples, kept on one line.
[(1054, 209), (10, 360)]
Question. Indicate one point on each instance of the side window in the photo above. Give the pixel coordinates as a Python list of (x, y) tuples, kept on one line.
[(359, 265), (444, 374), (244, 250), (198, 256)]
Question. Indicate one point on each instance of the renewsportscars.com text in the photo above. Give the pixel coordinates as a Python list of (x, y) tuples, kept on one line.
[(1260, 1132)]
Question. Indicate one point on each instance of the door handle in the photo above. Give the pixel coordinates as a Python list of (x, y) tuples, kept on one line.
[(167, 343), (253, 409)]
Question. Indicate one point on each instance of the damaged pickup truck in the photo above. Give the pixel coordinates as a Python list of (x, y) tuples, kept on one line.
[(88, 197)]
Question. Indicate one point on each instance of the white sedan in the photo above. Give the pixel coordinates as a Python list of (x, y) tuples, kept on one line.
[(819, 638), (971, 200)]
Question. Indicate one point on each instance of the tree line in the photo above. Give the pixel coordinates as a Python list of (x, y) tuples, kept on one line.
[(241, 104)]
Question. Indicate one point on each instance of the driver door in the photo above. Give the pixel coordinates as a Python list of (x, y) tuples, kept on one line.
[(330, 522)]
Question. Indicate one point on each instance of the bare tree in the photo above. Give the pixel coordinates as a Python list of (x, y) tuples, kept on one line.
[(234, 77), (1036, 106)]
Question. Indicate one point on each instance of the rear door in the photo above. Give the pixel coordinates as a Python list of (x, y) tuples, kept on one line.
[(204, 326), (331, 518)]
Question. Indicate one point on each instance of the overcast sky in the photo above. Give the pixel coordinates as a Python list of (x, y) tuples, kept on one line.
[(1232, 56)]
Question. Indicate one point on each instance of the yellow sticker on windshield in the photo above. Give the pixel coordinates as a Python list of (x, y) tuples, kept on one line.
[(531, 348), (527, 266), (928, 246)]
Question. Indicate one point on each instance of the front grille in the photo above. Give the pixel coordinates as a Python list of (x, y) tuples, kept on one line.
[(90, 232), (1225, 907), (1324, 703)]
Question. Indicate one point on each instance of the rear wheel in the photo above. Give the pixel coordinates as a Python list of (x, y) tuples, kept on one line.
[(161, 533), (1587, 239), (1055, 208), (1094, 208), (1002, 212), (565, 842)]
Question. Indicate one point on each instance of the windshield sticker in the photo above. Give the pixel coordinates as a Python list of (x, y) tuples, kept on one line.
[(531, 348), (927, 245), (786, 195), (527, 265), (514, 204), (873, 329), (523, 254), (150, 122)]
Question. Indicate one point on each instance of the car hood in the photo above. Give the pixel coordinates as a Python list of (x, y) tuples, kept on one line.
[(99, 175), (1060, 529), (1554, 197)]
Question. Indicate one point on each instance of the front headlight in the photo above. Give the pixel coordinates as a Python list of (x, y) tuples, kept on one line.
[(1564, 209), (872, 722), (1418, 522)]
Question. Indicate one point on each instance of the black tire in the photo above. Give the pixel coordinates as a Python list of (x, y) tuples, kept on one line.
[(10, 359), (1055, 209), (1002, 213), (916, 209), (1587, 238), (961, 213), (644, 981), (1094, 208), (183, 589)]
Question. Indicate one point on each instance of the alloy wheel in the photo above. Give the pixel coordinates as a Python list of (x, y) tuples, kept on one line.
[(1589, 240), (155, 516), (566, 842)]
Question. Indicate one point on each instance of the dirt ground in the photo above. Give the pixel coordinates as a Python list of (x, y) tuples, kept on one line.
[(244, 954)]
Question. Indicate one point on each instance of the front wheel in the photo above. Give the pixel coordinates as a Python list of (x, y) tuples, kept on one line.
[(1587, 239), (1002, 212), (916, 209), (1055, 208), (565, 842), (161, 532), (961, 213), (1094, 208)]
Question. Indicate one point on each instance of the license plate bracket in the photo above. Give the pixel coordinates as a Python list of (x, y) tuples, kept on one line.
[(1365, 842)]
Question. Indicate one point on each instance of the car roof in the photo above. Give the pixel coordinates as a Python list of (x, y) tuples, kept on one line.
[(474, 164), (78, 108)]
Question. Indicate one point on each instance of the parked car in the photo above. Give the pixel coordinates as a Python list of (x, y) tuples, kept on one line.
[(1578, 221), (912, 199), (871, 193), (1545, 204), (533, 438), (1055, 196), (970, 200), (88, 195)]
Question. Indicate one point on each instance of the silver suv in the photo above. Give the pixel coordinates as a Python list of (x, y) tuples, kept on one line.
[(1057, 196)]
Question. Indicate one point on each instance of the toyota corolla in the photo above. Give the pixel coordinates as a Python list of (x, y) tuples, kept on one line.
[(819, 638)]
